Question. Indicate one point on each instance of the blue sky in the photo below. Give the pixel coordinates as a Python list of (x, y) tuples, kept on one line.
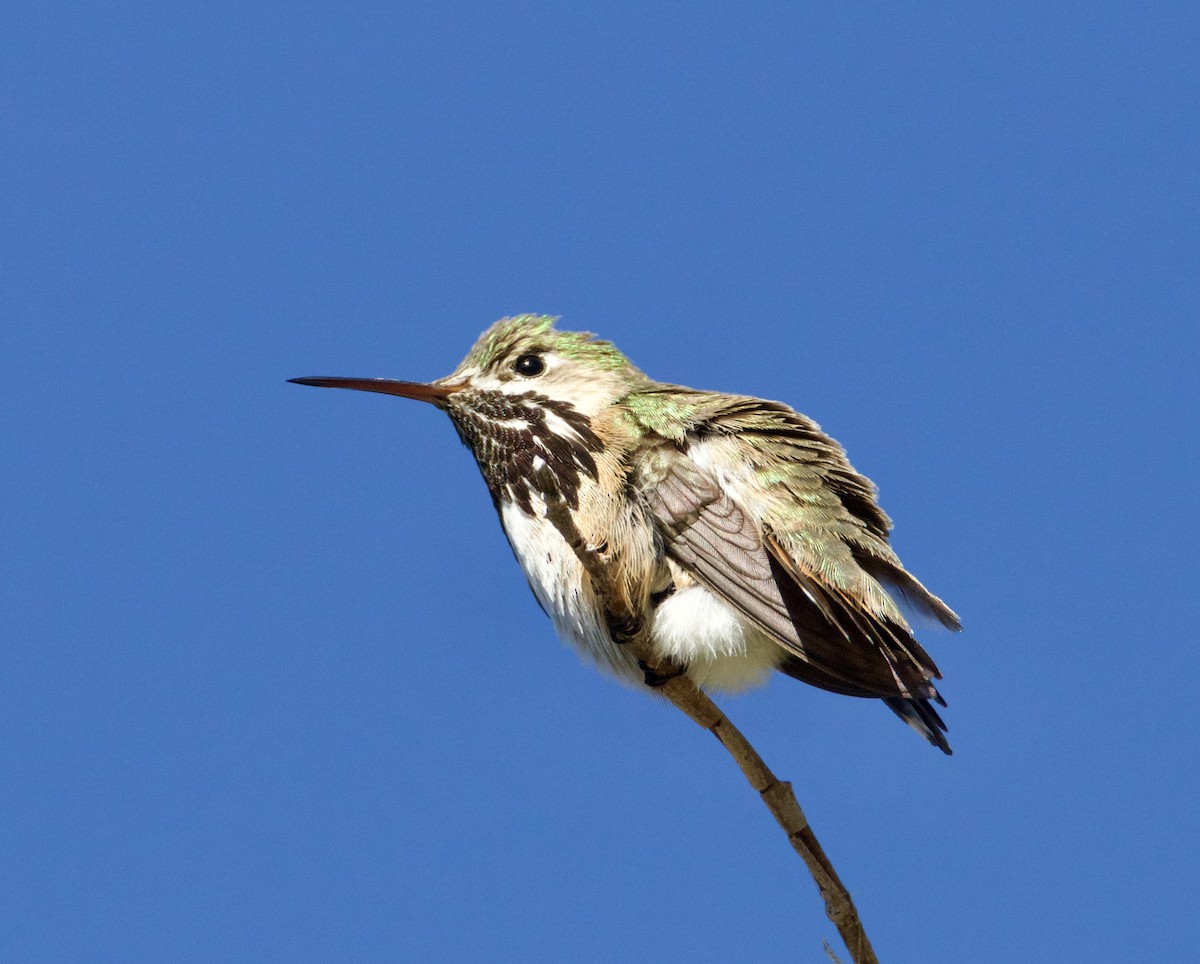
[(273, 687)]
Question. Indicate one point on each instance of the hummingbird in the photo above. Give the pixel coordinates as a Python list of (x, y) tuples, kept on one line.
[(739, 538)]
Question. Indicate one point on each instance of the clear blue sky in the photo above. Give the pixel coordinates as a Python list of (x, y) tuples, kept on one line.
[(272, 686)]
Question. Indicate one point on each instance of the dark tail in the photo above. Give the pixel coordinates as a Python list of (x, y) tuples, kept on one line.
[(917, 712), (922, 717)]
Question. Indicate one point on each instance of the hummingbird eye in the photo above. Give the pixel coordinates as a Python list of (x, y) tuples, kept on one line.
[(529, 365)]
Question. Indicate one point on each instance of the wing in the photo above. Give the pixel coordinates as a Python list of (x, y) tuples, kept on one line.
[(764, 510)]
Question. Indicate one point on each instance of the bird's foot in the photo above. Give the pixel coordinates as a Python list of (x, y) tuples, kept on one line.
[(655, 679), (623, 628)]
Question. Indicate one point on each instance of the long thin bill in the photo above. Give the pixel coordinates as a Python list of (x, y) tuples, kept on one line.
[(420, 391)]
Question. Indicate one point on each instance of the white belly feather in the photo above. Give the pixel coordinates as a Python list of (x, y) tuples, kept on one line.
[(692, 626), (721, 650)]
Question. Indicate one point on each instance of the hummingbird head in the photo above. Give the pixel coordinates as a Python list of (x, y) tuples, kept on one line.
[(523, 401), (525, 356)]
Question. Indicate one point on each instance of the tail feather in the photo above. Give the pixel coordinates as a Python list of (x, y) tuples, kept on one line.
[(922, 717), (916, 712)]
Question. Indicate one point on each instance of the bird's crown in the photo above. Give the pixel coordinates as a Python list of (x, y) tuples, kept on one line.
[(510, 338), (527, 354)]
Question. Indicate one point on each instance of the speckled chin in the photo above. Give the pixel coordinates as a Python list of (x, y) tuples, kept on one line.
[(513, 437)]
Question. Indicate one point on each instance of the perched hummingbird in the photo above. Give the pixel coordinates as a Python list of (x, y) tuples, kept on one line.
[(741, 538)]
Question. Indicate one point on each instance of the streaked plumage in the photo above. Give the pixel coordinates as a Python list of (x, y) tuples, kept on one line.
[(739, 530)]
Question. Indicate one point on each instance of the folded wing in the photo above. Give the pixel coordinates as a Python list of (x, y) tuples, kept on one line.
[(764, 510)]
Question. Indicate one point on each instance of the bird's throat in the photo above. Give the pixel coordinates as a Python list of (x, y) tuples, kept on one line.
[(523, 443)]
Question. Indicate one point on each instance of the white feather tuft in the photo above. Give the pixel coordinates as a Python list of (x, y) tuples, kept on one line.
[(722, 651)]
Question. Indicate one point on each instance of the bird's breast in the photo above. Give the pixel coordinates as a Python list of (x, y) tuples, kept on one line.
[(690, 624), (562, 586)]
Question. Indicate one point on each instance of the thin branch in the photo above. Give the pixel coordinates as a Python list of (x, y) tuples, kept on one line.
[(776, 794), (780, 799)]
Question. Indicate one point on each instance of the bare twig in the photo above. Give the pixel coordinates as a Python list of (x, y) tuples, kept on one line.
[(780, 799), (681, 691)]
